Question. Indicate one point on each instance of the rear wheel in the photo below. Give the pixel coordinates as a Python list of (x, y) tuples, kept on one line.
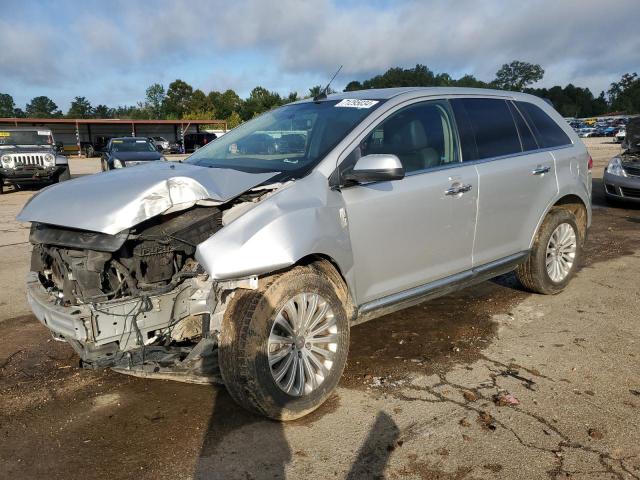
[(556, 253), (284, 346)]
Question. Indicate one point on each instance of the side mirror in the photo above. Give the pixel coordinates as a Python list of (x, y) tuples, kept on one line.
[(59, 147), (376, 168)]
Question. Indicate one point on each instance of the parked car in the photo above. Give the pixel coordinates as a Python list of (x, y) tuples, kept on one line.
[(259, 263), (161, 143), (622, 176), (259, 144), (176, 147), (193, 141), (129, 151), (620, 136), (588, 132), (30, 156)]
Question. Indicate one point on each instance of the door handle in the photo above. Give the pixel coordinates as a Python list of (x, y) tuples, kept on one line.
[(540, 170), (457, 189)]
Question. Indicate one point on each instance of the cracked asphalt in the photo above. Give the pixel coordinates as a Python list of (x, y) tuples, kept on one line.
[(489, 383)]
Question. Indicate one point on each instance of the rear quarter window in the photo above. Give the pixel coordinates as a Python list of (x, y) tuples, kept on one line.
[(491, 124), (548, 133)]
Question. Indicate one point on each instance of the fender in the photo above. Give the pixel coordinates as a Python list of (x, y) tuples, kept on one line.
[(293, 223), (567, 190)]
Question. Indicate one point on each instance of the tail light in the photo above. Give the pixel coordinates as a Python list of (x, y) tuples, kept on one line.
[(590, 163)]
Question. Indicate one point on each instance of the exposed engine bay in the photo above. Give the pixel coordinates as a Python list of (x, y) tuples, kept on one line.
[(151, 258), (136, 301)]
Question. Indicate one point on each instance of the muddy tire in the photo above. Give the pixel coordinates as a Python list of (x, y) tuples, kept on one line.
[(555, 256), (263, 335)]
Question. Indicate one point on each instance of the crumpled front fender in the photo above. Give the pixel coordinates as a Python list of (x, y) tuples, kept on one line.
[(301, 219)]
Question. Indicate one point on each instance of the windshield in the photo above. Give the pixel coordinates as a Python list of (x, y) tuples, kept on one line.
[(26, 137), (132, 146), (291, 139)]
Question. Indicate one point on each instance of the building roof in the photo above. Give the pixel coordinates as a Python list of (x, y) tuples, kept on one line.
[(115, 121)]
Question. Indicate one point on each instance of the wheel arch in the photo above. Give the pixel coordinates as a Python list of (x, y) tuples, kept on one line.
[(332, 268), (576, 204)]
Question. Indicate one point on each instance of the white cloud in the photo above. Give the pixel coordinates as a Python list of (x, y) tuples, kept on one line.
[(586, 42)]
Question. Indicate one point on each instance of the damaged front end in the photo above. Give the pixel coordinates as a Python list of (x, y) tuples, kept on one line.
[(137, 301), (115, 274)]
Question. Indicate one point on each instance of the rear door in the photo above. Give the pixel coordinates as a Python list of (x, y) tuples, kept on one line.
[(517, 179), (410, 232)]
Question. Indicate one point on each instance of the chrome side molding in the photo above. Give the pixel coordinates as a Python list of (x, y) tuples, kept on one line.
[(414, 296)]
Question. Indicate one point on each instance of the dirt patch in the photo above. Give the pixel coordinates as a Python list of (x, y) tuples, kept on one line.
[(430, 337), (614, 231), (434, 336)]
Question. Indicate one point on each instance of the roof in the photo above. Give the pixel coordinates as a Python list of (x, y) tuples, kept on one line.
[(116, 121), (25, 129), (387, 93)]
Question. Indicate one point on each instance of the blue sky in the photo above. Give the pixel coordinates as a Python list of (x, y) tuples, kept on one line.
[(110, 51)]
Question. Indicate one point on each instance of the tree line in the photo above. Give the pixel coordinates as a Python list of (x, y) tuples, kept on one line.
[(181, 101)]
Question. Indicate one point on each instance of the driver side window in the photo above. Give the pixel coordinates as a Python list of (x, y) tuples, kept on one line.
[(421, 135)]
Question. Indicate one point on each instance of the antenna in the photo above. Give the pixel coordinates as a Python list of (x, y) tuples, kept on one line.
[(323, 94)]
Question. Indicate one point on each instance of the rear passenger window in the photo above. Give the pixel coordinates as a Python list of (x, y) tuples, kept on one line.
[(546, 130), (492, 125), (526, 137)]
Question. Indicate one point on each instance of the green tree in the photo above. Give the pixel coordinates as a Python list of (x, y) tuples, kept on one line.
[(199, 106), (102, 111), (7, 106), (234, 120), (154, 99), (225, 103), (352, 86), (625, 94), (260, 100), (19, 113), (42, 107), (80, 108), (517, 75), (176, 102)]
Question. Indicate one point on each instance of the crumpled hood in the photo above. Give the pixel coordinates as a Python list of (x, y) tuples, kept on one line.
[(633, 136), (119, 199), (136, 156)]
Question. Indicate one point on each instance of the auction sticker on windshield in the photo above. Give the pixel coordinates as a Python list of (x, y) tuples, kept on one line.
[(5, 134), (356, 103)]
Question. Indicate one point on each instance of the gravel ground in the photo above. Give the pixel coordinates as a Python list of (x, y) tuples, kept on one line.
[(489, 383)]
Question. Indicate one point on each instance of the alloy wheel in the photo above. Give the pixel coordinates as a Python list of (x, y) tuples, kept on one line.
[(561, 252), (302, 344)]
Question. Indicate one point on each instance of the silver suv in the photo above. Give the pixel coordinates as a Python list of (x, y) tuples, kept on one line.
[(247, 263)]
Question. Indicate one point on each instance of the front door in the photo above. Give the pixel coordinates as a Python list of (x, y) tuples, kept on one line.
[(410, 232)]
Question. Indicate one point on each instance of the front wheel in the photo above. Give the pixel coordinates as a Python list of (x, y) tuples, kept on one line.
[(555, 256), (284, 346)]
